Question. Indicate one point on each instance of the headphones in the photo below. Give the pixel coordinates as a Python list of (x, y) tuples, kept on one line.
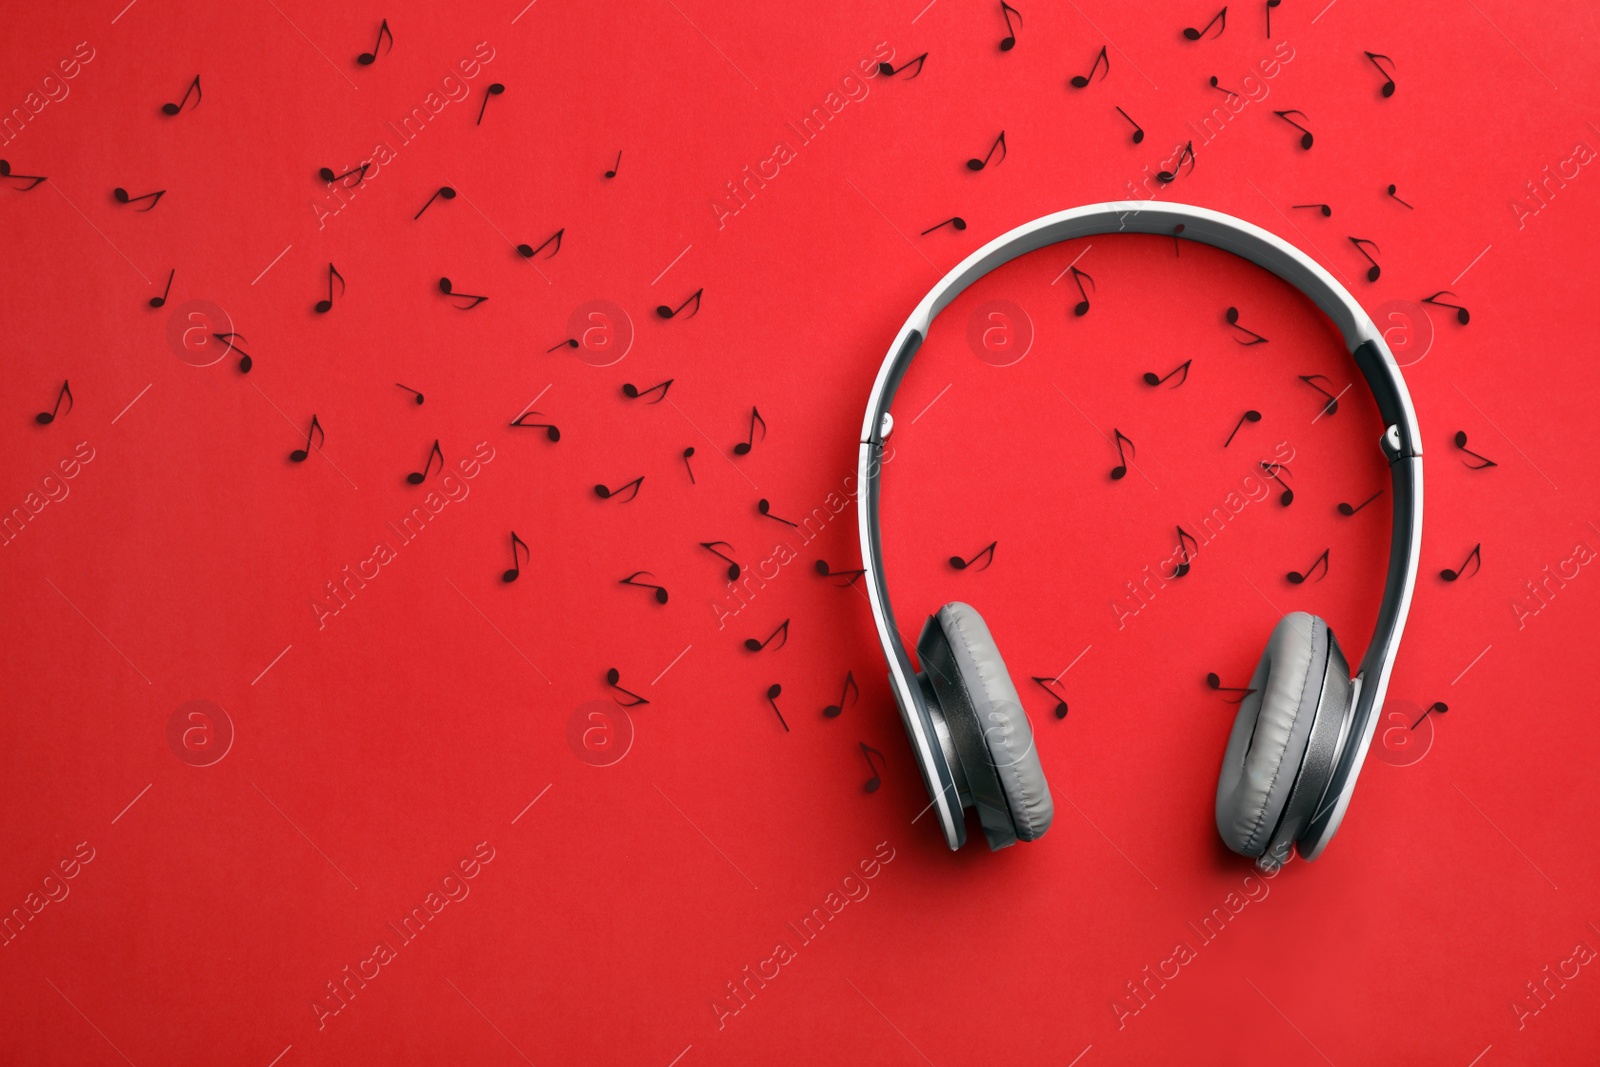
[(1300, 738)]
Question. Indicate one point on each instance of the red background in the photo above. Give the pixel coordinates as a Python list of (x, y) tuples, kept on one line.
[(373, 752)]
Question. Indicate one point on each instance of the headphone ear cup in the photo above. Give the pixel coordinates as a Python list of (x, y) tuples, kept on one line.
[(1271, 733)]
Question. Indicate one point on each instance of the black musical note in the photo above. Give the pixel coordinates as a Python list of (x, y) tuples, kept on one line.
[(158, 301), (955, 223), (1181, 369), (1121, 469), (32, 179), (1474, 557), (733, 567), (412, 391), (1374, 270), (867, 752), (571, 342), (606, 494), (1081, 308), (672, 313), (194, 87), (444, 190), (743, 447), (299, 455), (528, 251), (1440, 706), (661, 592), (1249, 416), (1332, 406), (1232, 316), (1138, 131), (1392, 188), (448, 289), (1185, 540), (1000, 143), (756, 646), (1192, 34), (1324, 208), (366, 59), (327, 175), (850, 577), (1009, 41), (613, 676), (1462, 315), (122, 197), (1216, 683), (1346, 510), (417, 477), (988, 550), (494, 90), (1306, 139), (1219, 87), (1166, 177), (1079, 81), (324, 306), (773, 692), (1388, 79), (633, 392), (1271, 471), (1270, 5), (766, 509), (686, 454), (833, 711), (245, 362), (612, 173), (1045, 684), (1485, 462), (45, 418), (887, 71), (1296, 577), (516, 565), (550, 431)]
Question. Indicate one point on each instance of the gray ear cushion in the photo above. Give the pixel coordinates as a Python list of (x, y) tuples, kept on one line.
[(1006, 731), (1271, 732)]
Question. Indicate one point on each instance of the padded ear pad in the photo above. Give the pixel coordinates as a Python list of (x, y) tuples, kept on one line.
[(1271, 734), (988, 729)]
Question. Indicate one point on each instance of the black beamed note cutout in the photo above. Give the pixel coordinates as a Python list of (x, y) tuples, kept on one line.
[(1167, 177), (766, 509), (1045, 684), (1437, 706), (1009, 41), (1271, 470), (986, 553), (448, 289), (122, 197), (159, 301), (493, 90), (1298, 577), (955, 223), (733, 567), (1332, 406), (613, 676), (743, 447), (1120, 471), (782, 632), (606, 494), (1138, 131), (850, 691), (1000, 143), (867, 752), (686, 454), (1270, 5), (444, 190), (1216, 683), (32, 179), (660, 591), (1081, 308), (850, 577), (1392, 188), (1192, 34), (1249, 416), (1462, 315), (1232, 316), (1374, 270), (887, 71), (327, 175), (551, 431), (1306, 140), (612, 173), (366, 59), (671, 313), (774, 691), (1080, 81), (1348, 510), (1388, 78), (45, 418), (515, 570), (322, 307), (1185, 564), (245, 362), (418, 477), (299, 455), (1475, 557), (1327, 212), (528, 251), (1182, 370), (194, 87), (633, 392), (1484, 461), (410, 390)]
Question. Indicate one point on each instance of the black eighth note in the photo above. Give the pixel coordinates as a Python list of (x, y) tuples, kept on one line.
[(448, 289), (418, 477), (1232, 317), (1081, 308), (1388, 78), (1220, 20), (1332, 406), (613, 676), (743, 447), (1360, 243), (1182, 370), (1000, 143), (1120, 471), (245, 362), (1306, 140), (1138, 130), (660, 591), (867, 752), (633, 392), (528, 251), (850, 577), (1462, 315), (1080, 81), (1185, 563), (1394, 194), (551, 431), (1045, 684), (888, 72), (493, 90), (322, 307), (122, 197), (366, 59), (612, 173), (194, 87), (327, 175), (605, 493), (765, 508), (733, 567), (45, 418), (1297, 577), (415, 395), (1167, 177), (782, 633), (986, 554), (159, 301), (671, 313), (1484, 462), (1249, 416), (32, 179), (1475, 557), (300, 455), (1271, 470), (515, 570), (1009, 41), (444, 190), (850, 692), (1348, 509), (774, 691)]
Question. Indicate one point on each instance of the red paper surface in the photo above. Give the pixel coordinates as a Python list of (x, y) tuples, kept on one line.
[(429, 721)]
